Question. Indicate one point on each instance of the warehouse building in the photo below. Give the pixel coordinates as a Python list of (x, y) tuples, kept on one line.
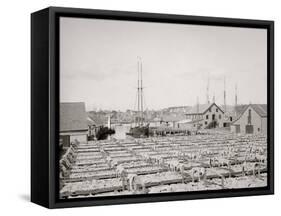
[(73, 123), (206, 115), (252, 120)]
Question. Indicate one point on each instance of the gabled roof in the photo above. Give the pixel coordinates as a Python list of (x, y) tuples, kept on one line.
[(73, 116), (234, 112), (239, 109), (97, 118), (261, 110), (202, 108)]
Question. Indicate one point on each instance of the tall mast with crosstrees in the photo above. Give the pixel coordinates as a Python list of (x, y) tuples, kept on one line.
[(140, 94)]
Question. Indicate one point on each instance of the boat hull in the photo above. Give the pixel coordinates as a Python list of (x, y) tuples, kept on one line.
[(139, 132)]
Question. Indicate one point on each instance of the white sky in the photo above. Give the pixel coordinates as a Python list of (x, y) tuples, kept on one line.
[(98, 63)]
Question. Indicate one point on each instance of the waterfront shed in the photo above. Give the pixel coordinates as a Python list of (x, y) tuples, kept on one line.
[(252, 120), (73, 123), (207, 115)]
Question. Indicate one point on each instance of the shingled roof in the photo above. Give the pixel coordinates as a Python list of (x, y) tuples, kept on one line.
[(261, 110), (239, 109), (73, 116)]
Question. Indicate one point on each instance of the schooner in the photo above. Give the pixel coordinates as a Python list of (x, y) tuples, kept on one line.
[(140, 129)]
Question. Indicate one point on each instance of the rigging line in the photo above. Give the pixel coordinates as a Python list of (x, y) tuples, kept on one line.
[(135, 104), (141, 94), (144, 102), (134, 119)]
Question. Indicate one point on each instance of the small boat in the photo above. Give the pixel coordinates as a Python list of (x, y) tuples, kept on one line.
[(139, 131)]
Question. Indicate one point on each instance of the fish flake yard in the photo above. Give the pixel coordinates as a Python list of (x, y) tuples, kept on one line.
[(178, 149), (164, 164)]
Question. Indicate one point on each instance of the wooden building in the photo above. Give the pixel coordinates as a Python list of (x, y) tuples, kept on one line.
[(206, 115), (252, 120), (73, 123)]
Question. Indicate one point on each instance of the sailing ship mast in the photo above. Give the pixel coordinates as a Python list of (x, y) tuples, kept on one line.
[(140, 130), (207, 90), (140, 94), (141, 90)]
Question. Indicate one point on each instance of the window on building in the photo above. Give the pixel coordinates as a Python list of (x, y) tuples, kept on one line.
[(206, 122), (219, 116), (230, 118), (258, 129), (217, 110), (207, 116)]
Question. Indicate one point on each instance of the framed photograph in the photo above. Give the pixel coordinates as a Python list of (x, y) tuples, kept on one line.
[(134, 107)]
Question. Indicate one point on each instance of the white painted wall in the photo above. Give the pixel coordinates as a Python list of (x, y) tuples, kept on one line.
[(15, 109), (213, 111)]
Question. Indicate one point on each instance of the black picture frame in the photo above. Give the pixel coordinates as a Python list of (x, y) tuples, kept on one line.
[(45, 105)]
